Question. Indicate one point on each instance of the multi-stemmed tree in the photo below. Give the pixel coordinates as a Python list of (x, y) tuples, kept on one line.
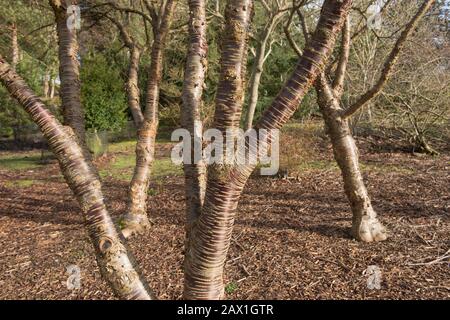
[(211, 222)]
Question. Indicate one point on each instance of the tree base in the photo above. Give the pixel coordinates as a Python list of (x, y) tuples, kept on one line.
[(369, 229), (134, 224)]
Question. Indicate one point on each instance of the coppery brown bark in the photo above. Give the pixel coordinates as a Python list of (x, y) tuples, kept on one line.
[(211, 235), (69, 72), (116, 264)]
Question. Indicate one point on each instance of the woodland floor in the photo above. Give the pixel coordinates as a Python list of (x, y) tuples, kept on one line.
[(291, 238)]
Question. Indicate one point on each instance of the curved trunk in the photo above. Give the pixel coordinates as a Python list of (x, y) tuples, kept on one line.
[(194, 81), (211, 235), (69, 73), (115, 264), (365, 225), (136, 219)]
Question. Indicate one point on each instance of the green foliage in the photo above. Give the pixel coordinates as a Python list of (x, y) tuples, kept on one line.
[(20, 162), (103, 94), (97, 143), (231, 287), (13, 119)]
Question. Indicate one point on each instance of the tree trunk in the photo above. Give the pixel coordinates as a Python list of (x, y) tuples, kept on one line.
[(134, 100), (255, 82), (46, 85), (194, 81), (258, 68), (116, 265), (136, 220), (211, 235), (365, 225), (52, 88), (69, 73)]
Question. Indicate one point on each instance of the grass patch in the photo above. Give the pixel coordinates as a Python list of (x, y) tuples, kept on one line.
[(123, 146), (15, 162), (385, 168), (122, 168), (20, 183), (165, 167), (129, 146)]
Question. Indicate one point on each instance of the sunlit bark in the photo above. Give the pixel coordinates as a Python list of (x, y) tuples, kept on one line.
[(69, 72), (211, 235), (116, 264)]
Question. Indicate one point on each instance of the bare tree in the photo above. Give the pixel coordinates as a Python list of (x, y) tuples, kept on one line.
[(275, 10), (136, 218), (365, 227)]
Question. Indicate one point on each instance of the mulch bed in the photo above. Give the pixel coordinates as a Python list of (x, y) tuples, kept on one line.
[(290, 242)]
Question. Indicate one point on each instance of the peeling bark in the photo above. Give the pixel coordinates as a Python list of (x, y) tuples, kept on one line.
[(69, 72), (211, 236), (134, 99), (116, 264)]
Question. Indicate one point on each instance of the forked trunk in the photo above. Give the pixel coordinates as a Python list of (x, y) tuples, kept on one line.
[(211, 235), (69, 73), (136, 220), (115, 263), (365, 227)]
